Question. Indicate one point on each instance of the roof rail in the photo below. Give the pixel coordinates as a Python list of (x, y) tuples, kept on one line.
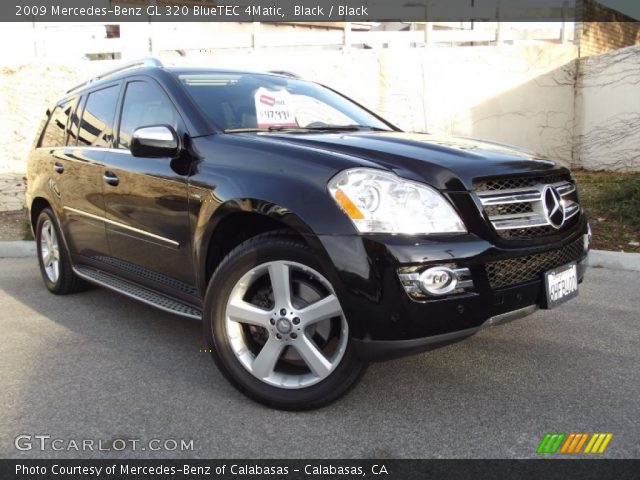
[(285, 73), (144, 62)]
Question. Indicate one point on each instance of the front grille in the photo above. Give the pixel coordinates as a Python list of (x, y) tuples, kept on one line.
[(516, 206), (514, 271), (509, 183)]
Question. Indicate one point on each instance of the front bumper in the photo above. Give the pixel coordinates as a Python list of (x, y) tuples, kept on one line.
[(377, 350), (385, 322)]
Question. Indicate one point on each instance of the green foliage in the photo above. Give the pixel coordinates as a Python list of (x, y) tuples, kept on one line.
[(612, 203)]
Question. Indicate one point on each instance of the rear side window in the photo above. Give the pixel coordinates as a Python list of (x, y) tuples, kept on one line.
[(96, 126), (74, 123), (55, 134), (145, 104)]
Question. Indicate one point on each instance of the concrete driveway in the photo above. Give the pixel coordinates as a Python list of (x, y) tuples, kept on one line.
[(99, 366)]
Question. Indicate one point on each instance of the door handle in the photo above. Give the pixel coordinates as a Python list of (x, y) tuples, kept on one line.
[(111, 178), (58, 167)]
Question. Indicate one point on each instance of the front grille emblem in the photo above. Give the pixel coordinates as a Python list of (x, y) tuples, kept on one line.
[(553, 206)]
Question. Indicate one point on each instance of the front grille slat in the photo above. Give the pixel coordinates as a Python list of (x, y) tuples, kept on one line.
[(515, 205), (508, 209), (515, 271)]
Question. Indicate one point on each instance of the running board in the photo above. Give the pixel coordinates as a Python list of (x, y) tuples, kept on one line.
[(142, 294)]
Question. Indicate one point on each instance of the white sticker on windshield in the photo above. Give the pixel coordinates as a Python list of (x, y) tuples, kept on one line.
[(273, 108)]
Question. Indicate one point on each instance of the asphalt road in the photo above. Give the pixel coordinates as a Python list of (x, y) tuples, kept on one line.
[(99, 366)]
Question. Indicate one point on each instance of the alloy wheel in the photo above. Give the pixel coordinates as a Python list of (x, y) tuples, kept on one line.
[(285, 324), (50, 251)]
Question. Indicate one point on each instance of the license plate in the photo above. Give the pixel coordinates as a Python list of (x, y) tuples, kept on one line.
[(561, 284)]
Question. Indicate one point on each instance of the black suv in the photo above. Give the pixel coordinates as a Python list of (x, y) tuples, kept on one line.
[(310, 235)]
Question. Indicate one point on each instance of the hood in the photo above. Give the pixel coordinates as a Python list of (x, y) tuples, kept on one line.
[(448, 163)]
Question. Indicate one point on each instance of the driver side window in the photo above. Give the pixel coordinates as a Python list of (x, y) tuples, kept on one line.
[(145, 104)]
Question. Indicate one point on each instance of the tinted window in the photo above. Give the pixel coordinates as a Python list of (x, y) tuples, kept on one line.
[(55, 135), (74, 123), (97, 119), (145, 104)]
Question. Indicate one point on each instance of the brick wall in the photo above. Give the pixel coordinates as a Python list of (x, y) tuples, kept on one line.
[(611, 31)]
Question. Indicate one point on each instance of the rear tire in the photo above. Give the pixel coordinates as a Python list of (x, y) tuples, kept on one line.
[(55, 264), (275, 327)]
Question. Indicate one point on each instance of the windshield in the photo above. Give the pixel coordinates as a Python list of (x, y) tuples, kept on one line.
[(239, 101)]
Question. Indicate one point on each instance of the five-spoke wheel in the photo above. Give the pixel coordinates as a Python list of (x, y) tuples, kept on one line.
[(276, 327), (55, 265), (305, 332), (50, 251)]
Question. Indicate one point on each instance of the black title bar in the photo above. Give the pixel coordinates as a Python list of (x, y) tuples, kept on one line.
[(303, 10), (317, 469)]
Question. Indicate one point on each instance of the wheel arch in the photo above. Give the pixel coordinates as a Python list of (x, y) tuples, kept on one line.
[(236, 221), (38, 204)]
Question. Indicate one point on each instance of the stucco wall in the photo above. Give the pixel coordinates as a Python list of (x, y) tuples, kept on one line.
[(607, 133)]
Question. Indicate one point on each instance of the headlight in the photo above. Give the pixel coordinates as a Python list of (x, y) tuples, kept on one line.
[(381, 202)]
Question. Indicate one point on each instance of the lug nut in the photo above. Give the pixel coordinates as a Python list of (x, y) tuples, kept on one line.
[(283, 312), (272, 321), (296, 321), (278, 336), (294, 335)]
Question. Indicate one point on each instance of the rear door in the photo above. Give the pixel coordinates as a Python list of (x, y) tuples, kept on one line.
[(146, 202), (90, 136)]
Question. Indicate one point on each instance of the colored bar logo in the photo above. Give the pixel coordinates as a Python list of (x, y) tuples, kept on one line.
[(574, 443)]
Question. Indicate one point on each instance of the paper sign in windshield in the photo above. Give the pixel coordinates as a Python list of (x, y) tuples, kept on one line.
[(273, 109)]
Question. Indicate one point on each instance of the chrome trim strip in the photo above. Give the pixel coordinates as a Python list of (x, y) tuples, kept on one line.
[(522, 195), (535, 221), (511, 197), (409, 277), (570, 210), (529, 220), (510, 316), (564, 188), (122, 225), (92, 149), (511, 216)]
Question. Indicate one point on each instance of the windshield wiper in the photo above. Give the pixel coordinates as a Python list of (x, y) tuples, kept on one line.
[(347, 128), (327, 128), (274, 128)]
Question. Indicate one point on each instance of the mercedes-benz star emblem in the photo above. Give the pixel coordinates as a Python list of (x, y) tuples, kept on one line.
[(283, 326), (553, 206)]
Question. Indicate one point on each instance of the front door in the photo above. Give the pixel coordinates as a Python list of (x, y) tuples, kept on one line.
[(146, 199)]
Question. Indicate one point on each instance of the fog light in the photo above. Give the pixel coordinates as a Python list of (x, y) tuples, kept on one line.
[(434, 281), (438, 280)]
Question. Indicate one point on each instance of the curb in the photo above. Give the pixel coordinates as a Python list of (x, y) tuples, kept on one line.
[(17, 249), (597, 258), (614, 260)]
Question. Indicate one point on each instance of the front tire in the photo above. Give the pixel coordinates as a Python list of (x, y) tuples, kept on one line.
[(275, 327), (55, 264)]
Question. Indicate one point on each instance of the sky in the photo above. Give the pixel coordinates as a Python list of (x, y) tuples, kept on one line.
[(628, 7)]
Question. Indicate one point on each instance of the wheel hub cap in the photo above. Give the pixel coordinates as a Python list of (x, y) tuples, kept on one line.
[(283, 326)]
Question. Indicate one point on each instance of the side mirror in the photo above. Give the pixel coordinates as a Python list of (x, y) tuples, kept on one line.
[(154, 142)]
